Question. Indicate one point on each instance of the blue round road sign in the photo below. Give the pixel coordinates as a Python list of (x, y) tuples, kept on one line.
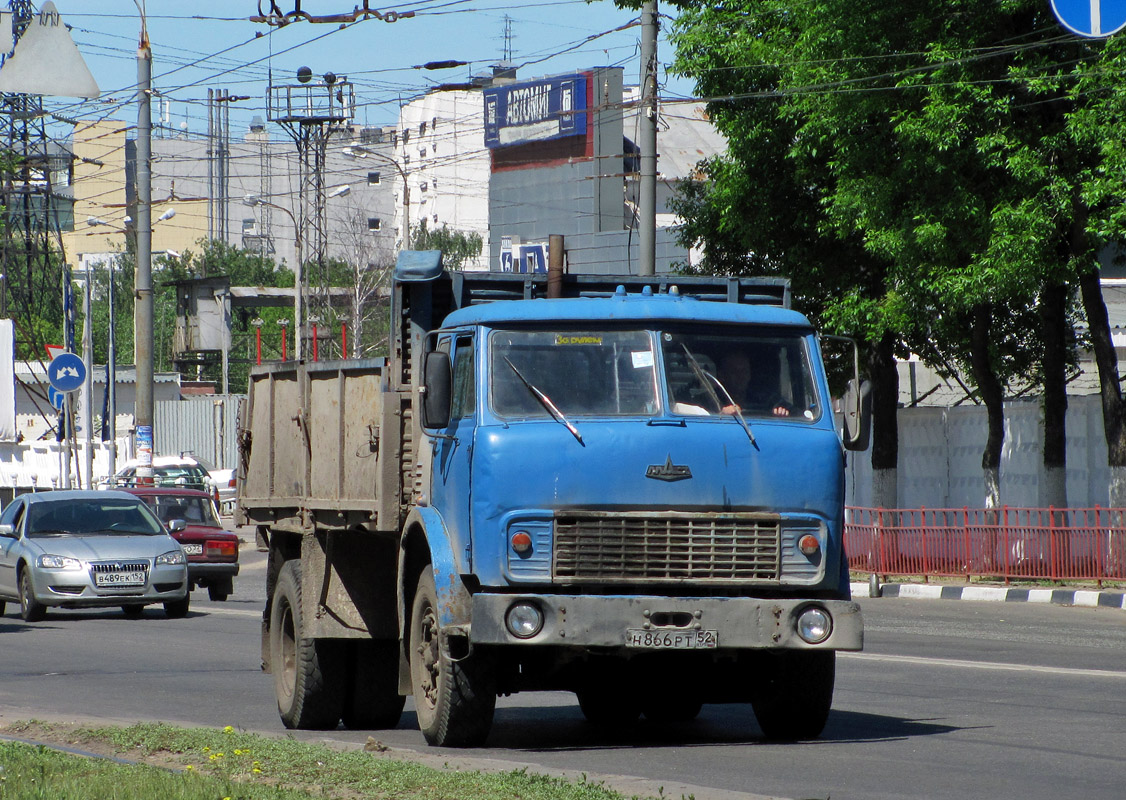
[(66, 372), (1091, 18)]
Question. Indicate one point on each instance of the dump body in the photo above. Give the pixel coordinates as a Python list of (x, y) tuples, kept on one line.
[(579, 493)]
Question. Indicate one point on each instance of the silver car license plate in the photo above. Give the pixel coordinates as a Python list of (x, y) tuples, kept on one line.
[(119, 579), (671, 640)]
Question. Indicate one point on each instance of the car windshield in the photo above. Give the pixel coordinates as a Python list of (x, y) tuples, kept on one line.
[(91, 517), (187, 475), (193, 510), (716, 372), (581, 373)]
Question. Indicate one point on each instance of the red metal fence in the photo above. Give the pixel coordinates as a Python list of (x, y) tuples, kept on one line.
[(1086, 544)]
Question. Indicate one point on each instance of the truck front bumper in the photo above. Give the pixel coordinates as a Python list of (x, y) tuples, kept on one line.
[(621, 622)]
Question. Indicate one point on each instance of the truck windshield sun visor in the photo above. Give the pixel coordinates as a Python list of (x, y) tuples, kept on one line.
[(583, 373)]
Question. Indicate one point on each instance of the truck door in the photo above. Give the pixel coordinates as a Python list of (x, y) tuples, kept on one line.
[(454, 452)]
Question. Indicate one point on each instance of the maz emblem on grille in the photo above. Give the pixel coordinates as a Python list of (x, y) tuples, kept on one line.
[(668, 471)]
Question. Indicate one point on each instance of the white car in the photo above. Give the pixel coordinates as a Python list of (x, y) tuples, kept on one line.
[(223, 482)]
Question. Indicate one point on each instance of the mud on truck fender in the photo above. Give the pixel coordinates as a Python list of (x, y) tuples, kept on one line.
[(453, 687)]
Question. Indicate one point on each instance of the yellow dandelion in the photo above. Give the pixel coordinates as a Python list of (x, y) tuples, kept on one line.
[(229, 729)]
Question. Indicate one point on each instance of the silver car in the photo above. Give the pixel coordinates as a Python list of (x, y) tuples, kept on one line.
[(88, 549)]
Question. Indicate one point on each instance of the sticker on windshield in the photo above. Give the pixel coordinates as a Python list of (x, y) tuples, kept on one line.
[(560, 339), (642, 359)]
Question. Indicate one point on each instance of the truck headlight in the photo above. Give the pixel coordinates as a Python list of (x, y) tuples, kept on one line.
[(815, 625), (524, 620)]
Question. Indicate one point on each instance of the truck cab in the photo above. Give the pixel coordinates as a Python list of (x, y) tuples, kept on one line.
[(633, 490)]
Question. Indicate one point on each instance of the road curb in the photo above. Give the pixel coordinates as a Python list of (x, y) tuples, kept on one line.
[(1088, 598)]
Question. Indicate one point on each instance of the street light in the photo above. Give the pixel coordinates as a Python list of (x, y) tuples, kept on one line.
[(111, 343), (356, 150), (298, 271)]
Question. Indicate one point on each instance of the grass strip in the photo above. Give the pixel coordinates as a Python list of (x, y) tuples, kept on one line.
[(207, 764)]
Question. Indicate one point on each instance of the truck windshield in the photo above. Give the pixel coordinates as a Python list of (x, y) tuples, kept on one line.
[(765, 375), (587, 373)]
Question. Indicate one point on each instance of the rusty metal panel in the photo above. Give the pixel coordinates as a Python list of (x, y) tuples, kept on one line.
[(289, 450), (344, 413), (325, 420), (362, 404), (256, 480), (348, 585)]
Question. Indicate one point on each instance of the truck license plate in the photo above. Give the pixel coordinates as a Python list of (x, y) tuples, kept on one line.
[(119, 579), (671, 640)]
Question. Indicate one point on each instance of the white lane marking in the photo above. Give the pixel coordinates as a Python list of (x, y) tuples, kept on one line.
[(989, 665)]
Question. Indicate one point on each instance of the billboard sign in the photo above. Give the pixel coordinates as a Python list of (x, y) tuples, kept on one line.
[(535, 111), (524, 257)]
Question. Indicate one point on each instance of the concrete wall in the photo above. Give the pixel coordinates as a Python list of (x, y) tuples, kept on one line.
[(940, 453)]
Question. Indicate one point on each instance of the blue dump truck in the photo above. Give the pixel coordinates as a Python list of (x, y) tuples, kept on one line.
[(632, 489)]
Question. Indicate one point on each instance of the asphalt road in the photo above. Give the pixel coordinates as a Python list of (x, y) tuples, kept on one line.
[(949, 700)]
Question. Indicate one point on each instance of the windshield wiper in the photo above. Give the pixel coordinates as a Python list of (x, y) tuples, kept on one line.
[(545, 401), (706, 379)]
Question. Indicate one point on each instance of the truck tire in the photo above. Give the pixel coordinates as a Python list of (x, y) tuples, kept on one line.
[(221, 589), (31, 610), (373, 701), (794, 694), (454, 700), (306, 671), (178, 609)]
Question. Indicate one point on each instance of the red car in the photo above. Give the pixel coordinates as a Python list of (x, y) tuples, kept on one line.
[(212, 552)]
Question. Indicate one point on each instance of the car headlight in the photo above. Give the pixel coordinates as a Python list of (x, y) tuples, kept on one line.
[(172, 557), (58, 562)]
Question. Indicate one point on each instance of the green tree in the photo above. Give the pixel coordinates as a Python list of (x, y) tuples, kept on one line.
[(946, 145), (456, 246)]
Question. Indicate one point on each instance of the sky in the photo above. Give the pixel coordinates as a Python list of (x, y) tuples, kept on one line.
[(211, 44)]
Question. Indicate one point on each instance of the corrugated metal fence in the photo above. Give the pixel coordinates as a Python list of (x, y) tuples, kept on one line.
[(205, 426), (1028, 543)]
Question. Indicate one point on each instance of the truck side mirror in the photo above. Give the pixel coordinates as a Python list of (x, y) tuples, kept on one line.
[(856, 415), (436, 391)]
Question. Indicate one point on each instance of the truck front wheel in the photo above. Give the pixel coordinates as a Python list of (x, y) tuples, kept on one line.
[(306, 671), (793, 694), (454, 700)]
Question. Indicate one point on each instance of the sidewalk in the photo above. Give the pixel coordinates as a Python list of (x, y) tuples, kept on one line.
[(1090, 598)]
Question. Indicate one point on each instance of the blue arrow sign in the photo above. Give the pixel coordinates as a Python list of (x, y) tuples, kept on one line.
[(66, 372), (56, 398), (1092, 18)]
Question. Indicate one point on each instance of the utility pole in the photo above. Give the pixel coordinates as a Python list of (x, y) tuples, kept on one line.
[(87, 387), (647, 202), (143, 318)]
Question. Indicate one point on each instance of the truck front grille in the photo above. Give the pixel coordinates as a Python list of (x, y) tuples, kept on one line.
[(669, 547)]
